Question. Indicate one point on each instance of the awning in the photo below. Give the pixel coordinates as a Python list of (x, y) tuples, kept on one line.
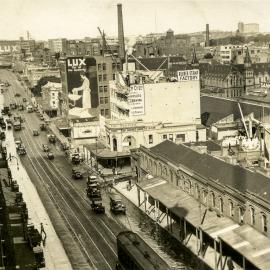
[(252, 244), (177, 201), (107, 154)]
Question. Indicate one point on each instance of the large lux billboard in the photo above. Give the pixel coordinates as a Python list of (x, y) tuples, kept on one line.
[(9, 47), (82, 82)]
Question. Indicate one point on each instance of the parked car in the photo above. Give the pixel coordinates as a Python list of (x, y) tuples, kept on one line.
[(50, 155), (45, 148), (41, 117), (51, 138), (43, 127), (17, 95), (116, 204), (97, 206), (21, 150), (76, 174), (35, 132)]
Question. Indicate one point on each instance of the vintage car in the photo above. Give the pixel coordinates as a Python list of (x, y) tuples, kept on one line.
[(35, 132), (97, 206), (50, 155), (76, 174), (45, 148)]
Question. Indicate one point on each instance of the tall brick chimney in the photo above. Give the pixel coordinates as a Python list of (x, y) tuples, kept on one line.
[(121, 40), (207, 44)]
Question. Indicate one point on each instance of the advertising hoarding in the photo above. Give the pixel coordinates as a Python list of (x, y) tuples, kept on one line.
[(188, 75), (136, 100), (9, 47), (81, 82)]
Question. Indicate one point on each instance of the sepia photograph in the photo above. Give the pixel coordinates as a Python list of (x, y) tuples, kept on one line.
[(135, 135)]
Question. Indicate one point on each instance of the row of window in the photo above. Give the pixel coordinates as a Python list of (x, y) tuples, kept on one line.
[(204, 195), (102, 66)]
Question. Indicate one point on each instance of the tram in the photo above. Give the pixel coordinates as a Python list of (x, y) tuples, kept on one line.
[(135, 254)]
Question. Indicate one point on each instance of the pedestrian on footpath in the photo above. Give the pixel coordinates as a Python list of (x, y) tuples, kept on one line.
[(42, 230)]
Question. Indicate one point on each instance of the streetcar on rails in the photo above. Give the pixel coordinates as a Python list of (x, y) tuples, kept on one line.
[(135, 254)]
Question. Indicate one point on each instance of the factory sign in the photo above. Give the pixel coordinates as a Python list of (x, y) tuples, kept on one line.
[(136, 100), (188, 75)]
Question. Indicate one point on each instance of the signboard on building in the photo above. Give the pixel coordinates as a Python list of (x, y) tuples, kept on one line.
[(9, 47), (136, 100), (188, 75), (81, 82)]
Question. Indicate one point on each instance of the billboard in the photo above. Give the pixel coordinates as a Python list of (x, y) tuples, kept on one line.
[(136, 100), (81, 82), (188, 75), (9, 47)]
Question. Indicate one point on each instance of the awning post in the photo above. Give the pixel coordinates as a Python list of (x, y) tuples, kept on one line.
[(215, 249), (220, 254), (244, 263), (139, 196)]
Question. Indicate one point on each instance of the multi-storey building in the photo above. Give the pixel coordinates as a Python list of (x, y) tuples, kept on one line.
[(99, 70), (50, 98), (213, 204), (58, 45), (146, 109), (35, 73)]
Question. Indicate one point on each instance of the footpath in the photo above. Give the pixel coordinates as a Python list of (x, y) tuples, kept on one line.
[(54, 253)]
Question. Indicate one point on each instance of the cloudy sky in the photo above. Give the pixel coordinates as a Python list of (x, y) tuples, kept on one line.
[(79, 18)]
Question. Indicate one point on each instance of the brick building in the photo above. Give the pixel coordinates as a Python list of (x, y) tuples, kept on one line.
[(217, 203)]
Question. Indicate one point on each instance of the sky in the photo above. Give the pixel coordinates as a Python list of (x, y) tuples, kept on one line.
[(46, 19)]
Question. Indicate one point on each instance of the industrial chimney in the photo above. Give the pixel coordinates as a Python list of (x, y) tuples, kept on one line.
[(207, 36), (121, 40)]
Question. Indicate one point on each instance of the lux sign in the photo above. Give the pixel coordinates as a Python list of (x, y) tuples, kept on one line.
[(8, 48), (77, 62)]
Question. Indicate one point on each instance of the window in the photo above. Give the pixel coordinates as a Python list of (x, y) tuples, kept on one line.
[(105, 100), (264, 223), (213, 200), (100, 78), (113, 66), (104, 77), (241, 215), (164, 136), (104, 66), (105, 89), (53, 94), (106, 112), (252, 216), (220, 205), (53, 102), (197, 135), (99, 67), (100, 89), (231, 209), (102, 112), (101, 100), (150, 138), (114, 76), (171, 137)]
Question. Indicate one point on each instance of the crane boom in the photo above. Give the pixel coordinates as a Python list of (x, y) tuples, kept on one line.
[(243, 120)]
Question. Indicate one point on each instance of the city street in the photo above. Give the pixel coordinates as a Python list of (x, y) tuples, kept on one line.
[(95, 234)]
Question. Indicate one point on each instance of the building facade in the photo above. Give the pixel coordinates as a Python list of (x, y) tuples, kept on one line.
[(224, 196)]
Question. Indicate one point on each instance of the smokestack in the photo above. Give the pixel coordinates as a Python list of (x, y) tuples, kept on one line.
[(207, 36), (121, 40)]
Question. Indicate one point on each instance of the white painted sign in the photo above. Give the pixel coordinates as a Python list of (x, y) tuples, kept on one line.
[(9, 48), (188, 75), (136, 100)]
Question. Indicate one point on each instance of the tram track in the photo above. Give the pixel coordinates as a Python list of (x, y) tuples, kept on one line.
[(73, 208)]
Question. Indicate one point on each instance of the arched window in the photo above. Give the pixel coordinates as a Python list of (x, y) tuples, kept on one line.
[(150, 164), (221, 205), (160, 169), (165, 171), (171, 176), (252, 215), (264, 223), (241, 214), (213, 198), (155, 168), (231, 209)]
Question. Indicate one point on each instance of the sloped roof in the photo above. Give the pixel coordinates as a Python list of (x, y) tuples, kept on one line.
[(212, 168)]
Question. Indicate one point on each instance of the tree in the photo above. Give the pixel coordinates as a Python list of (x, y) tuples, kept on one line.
[(208, 56), (36, 91)]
